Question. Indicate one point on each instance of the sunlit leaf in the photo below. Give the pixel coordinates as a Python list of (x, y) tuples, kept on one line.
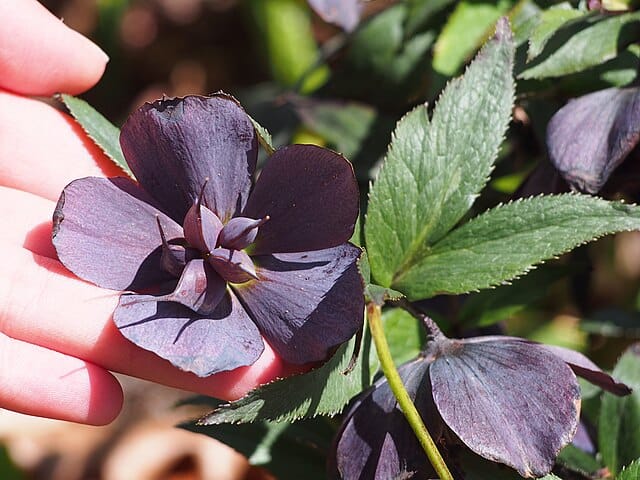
[(435, 168), (99, 129)]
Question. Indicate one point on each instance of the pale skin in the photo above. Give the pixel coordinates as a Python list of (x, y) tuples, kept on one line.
[(58, 344)]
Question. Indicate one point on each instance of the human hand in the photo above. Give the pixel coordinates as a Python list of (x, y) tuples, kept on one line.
[(57, 340)]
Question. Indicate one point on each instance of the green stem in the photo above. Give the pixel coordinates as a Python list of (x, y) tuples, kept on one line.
[(409, 410)]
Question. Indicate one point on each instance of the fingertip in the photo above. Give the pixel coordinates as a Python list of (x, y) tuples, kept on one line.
[(46, 383), (40, 55)]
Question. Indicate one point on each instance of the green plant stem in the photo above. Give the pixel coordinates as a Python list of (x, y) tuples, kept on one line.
[(374, 316)]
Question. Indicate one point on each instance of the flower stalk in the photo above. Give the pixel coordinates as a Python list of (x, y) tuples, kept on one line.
[(409, 410)]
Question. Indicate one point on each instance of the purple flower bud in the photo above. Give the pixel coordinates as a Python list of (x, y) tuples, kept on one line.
[(234, 266), (240, 232), (592, 135)]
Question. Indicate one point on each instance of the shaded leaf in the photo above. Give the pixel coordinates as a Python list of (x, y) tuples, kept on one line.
[(383, 64), (421, 11), (612, 322), (507, 241), (435, 169), (619, 423), (356, 130), (581, 44), (405, 334), (105, 134), (324, 391), (549, 21), (289, 451), (578, 461), (467, 27), (490, 306)]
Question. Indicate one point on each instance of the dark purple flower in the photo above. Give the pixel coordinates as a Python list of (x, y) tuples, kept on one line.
[(211, 263), (592, 135), (507, 399)]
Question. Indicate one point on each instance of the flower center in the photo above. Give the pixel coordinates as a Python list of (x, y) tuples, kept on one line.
[(221, 246)]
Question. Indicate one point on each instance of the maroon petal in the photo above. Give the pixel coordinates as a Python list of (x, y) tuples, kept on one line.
[(591, 135), (311, 196), (174, 145), (106, 232), (200, 288), (306, 303), (201, 227), (588, 370), (509, 401), (204, 345), (376, 441), (234, 266)]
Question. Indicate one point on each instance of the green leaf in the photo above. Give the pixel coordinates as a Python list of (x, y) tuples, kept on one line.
[(630, 472), (613, 322), (470, 23), (289, 451), (550, 20), (264, 137), (619, 423), (578, 461), (356, 130), (434, 170), (507, 241), (104, 133), (324, 391), (421, 12), (372, 292), (485, 308), (405, 334), (583, 43), (383, 64)]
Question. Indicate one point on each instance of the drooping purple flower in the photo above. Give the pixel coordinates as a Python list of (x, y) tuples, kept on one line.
[(592, 135), (210, 263), (507, 399)]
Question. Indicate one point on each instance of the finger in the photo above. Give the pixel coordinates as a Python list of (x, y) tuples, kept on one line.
[(42, 149), (27, 221), (34, 290), (37, 381), (40, 55), (46, 305)]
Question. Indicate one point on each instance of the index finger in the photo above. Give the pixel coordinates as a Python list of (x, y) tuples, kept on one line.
[(40, 55)]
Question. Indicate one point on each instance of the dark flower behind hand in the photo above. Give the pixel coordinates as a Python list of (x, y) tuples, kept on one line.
[(507, 399), (210, 264)]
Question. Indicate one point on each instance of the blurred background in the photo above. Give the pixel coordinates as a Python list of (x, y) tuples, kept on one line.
[(311, 81)]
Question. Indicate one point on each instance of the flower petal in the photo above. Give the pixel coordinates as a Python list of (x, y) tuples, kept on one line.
[(200, 288), (105, 232), (376, 441), (311, 196), (225, 340), (591, 135), (306, 303), (588, 370), (509, 401), (174, 145)]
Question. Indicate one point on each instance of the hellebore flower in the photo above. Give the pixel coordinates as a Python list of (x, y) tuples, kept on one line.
[(591, 136), (507, 399), (209, 263)]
